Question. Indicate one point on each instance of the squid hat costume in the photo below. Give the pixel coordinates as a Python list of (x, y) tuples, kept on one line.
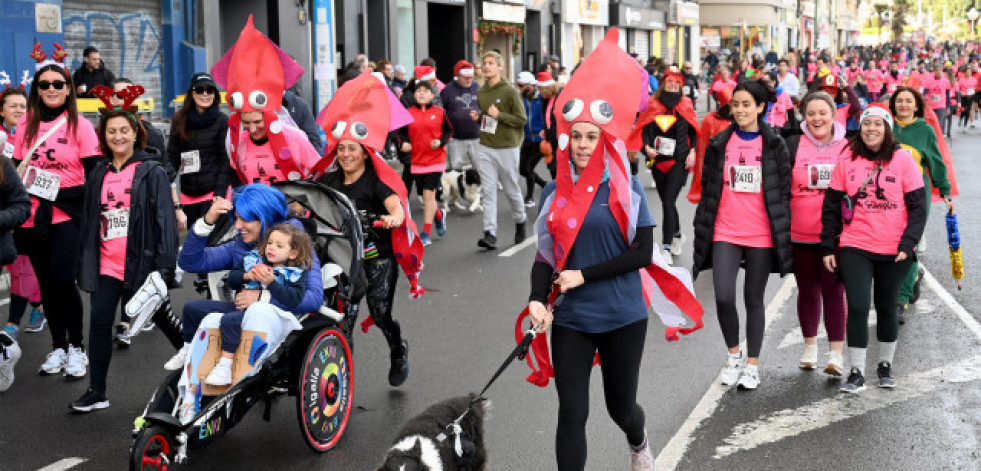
[(364, 110), (254, 73), (611, 102)]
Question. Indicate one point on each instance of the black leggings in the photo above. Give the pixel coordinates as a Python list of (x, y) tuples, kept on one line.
[(195, 211), (382, 274), (669, 186), (530, 153), (18, 305), (53, 255), (726, 258), (572, 358), (860, 275)]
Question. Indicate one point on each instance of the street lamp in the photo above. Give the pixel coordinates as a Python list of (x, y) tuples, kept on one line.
[(972, 15)]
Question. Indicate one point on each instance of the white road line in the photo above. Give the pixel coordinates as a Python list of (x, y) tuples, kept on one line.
[(794, 337), (519, 247), (4, 301), (787, 423), (671, 454), (952, 303), (63, 464)]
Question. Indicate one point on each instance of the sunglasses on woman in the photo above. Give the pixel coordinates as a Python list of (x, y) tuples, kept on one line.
[(57, 84), (205, 90)]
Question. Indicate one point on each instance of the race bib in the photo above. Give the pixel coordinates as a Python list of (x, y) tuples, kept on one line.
[(969, 92), (488, 124), (42, 183), (745, 178), (686, 90), (115, 223), (664, 145), (8, 150), (819, 176), (891, 87), (190, 162), (936, 97)]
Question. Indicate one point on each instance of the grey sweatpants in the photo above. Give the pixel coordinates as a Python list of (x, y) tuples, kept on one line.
[(460, 152), (493, 165)]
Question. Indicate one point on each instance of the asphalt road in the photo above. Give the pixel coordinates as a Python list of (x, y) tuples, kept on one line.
[(461, 331)]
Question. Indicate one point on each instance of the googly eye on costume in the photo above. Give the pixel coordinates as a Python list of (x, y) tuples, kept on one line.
[(257, 99), (572, 109), (563, 141), (601, 111), (235, 101), (338, 130), (359, 131)]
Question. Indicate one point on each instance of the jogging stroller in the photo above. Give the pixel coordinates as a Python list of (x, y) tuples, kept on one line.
[(313, 363)]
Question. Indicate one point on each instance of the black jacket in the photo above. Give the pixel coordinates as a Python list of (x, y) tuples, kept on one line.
[(215, 170), (15, 208), (100, 76), (152, 234), (303, 117), (776, 197), (155, 139)]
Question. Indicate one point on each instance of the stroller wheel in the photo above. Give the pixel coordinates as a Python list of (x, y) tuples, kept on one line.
[(326, 387), (154, 450)]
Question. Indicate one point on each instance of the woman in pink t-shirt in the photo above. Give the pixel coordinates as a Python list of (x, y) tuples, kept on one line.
[(743, 219), (813, 156), (58, 146), (967, 86), (873, 216)]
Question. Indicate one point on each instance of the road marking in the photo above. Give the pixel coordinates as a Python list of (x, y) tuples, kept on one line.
[(63, 464), (4, 301), (519, 247), (952, 303), (788, 423), (671, 454), (794, 337)]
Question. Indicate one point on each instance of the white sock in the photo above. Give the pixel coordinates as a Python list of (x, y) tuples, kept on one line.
[(736, 355), (857, 357), (225, 362), (751, 367), (886, 351)]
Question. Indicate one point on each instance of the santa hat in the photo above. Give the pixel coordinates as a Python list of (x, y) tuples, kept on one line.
[(877, 109), (545, 79), (752, 73), (724, 95), (425, 72), (463, 69), (673, 72)]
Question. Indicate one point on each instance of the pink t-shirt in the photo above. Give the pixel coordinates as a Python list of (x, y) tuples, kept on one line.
[(259, 165), (117, 188), (967, 86), (811, 175), (852, 74), (742, 217), (874, 79), (61, 154), (893, 83), (935, 91), (878, 223)]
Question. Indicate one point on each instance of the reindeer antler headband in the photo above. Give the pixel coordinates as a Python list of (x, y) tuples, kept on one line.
[(57, 57), (128, 94)]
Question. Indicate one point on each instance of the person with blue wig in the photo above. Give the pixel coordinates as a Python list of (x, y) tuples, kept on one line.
[(257, 208)]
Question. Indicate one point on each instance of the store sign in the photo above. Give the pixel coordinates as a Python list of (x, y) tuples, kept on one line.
[(790, 17), (641, 18), (710, 40), (504, 13), (683, 13), (536, 4), (807, 9), (586, 12)]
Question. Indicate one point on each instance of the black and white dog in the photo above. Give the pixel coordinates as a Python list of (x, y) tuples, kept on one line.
[(457, 186), (417, 449)]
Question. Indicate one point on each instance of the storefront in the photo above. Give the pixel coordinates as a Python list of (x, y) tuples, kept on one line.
[(584, 25), (501, 27), (637, 25), (681, 39)]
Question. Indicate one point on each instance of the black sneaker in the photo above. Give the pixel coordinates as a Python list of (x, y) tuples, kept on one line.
[(519, 233), (488, 241), (885, 375), (901, 313), (855, 383), (90, 401), (399, 371), (916, 286), (122, 341)]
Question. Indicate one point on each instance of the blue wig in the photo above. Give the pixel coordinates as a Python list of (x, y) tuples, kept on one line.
[(259, 202)]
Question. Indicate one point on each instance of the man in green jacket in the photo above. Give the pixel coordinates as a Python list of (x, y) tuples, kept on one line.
[(502, 118)]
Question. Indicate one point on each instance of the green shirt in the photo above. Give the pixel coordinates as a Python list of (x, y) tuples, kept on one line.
[(511, 116), (921, 137)]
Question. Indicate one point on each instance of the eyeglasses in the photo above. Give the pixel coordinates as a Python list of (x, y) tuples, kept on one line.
[(205, 90), (57, 84)]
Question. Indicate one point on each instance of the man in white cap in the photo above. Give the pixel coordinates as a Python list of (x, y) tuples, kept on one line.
[(531, 152), (460, 103)]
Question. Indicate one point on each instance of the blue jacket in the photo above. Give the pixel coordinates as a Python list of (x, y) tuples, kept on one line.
[(196, 257), (535, 111)]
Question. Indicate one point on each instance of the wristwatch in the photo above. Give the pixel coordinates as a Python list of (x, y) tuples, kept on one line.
[(178, 206)]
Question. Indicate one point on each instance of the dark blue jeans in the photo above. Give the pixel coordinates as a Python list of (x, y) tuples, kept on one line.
[(230, 326)]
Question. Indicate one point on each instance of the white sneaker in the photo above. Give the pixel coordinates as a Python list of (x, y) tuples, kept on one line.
[(809, 360), (667, 256), (836, 364), (77, 362), (221, 375), (54, 362), (642, 459), (176, 362), (9, 355), (677, 245), (730, 374), (749, 378)]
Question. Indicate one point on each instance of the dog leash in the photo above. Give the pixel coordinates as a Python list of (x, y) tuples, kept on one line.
[(519, 351)]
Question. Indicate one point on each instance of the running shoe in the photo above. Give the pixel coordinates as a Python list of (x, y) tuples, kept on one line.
[(426, 240), (488, 241), (440, 223), (668, 258), (885, 375), (855, 383), (519, 233), (835, 365), (176, 362), (122, 341), (399, 370), (916, 286), (9, 355), (749, 379), (677, 245), (642, 459), (148, 326), (12, 331), (901, 313), (54, 362), (77, 362), (36, 322), (221, 375), (809, 360), (529, 203), (730, 374), (90, 401)]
